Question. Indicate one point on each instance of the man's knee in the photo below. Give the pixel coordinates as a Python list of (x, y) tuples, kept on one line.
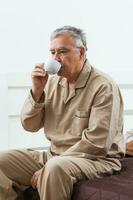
[(55, 165), (5, 157)]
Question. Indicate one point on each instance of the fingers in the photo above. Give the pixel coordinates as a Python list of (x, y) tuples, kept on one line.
[(34, 178), (39, 79), (34, 181), (38, 71)]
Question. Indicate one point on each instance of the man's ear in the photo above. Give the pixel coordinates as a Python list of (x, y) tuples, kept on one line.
[(82, 52)]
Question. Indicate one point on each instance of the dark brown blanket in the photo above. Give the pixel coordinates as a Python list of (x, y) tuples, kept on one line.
[(114, 187)]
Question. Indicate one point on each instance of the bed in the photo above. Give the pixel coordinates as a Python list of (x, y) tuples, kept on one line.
[(114, 187)]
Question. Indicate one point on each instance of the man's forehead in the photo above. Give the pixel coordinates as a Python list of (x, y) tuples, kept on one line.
[(62, 41)]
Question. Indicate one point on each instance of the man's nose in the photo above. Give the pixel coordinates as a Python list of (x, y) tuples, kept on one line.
[(57, 56)]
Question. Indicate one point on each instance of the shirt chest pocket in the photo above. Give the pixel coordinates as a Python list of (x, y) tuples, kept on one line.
[(80, 122)]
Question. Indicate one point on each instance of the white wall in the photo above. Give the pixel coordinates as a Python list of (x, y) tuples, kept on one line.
[(14, 89), (25, 26)]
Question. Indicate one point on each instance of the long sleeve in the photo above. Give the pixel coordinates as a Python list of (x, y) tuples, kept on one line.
[(32, 114)]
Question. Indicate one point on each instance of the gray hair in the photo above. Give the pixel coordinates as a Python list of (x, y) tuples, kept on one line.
[(75, 33)]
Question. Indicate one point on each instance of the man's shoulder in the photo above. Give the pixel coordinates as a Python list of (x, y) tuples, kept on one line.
[(97, 76), (101, 77)]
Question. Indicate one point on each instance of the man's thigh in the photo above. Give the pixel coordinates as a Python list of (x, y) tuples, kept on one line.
[(20, 165), (80, 168)]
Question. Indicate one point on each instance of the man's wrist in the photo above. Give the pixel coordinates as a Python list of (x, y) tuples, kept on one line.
[(38, 98)]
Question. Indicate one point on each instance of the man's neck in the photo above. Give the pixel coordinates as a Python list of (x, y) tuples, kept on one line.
[(74, 76)]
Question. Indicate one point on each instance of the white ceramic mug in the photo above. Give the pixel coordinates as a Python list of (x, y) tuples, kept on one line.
[(52, 66)]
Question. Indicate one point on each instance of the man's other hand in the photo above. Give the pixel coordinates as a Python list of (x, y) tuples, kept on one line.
[(39, 80), (34, 178)]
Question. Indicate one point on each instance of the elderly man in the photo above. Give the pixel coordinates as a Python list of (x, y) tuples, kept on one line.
[(81, 111)]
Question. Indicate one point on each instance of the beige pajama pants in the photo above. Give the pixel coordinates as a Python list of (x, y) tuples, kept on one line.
[(58, 174)]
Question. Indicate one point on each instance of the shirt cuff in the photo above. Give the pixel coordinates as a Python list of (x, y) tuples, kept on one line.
[(39, 104)]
